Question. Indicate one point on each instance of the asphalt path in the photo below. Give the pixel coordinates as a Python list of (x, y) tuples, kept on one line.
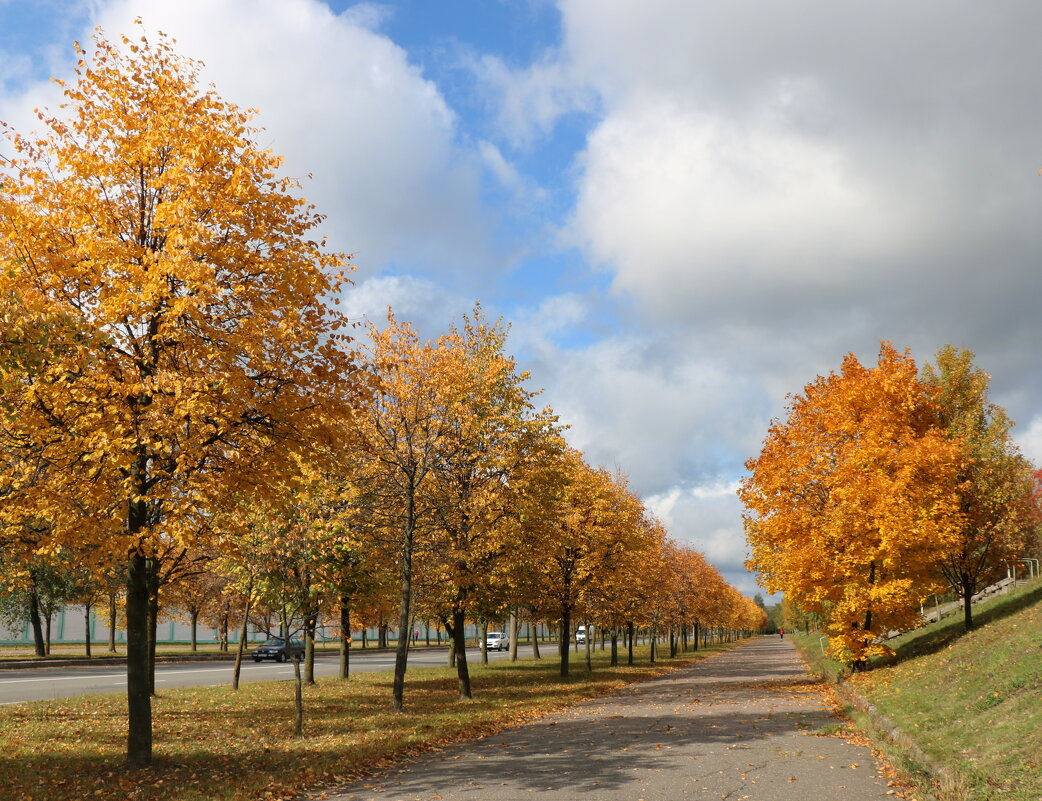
[(743, 725), (39, 684)]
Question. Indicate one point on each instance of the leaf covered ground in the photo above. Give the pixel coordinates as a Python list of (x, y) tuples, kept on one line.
[(213, 744)]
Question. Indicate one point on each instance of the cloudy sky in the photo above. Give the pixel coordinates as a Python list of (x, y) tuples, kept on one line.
[(686, 209)]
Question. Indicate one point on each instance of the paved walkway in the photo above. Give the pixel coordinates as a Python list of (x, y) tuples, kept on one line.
[(737, 726)]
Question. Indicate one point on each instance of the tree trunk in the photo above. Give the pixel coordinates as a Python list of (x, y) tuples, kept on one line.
[(345, 637), (629, 639), (654, 643), (514, 628), (86, 627), (37, 624), (153, 621), (139, 686), (243, 634), (614, 646), (565, 640), (401, 656), (696, 635), (112, 622), (195, 624), (298, 698), (589, 648), (484, 642), (222, 636), (309, 649), (967, 602), (459, 649), (47, 633), (533, 629)]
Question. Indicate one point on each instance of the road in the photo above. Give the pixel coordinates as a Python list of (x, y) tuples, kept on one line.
[(739, 725), (37, 684)]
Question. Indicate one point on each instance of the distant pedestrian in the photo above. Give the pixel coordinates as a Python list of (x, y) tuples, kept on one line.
[(781, 633)]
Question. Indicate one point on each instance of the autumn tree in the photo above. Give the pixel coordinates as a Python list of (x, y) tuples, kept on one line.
[(620, 596), (581, 536), (491, 437), (198, 594), (405, 429), (35, 591), (998, 514), (190, 350), (852, 500)]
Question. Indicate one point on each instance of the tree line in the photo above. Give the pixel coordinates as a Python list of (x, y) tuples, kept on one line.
[(188, 420), (883, 486)]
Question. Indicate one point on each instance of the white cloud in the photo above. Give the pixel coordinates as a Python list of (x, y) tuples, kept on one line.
[(429, 307), (777, 185), (1029, 438), (526, 192), (655, 408), (692, 212), (530, 101), (708, 517), (339, 101)]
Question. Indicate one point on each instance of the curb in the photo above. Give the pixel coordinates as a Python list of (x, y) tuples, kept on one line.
[(105, 661), (893, 734), (889, 731)]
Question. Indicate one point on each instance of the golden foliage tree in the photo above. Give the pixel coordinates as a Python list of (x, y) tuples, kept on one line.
[(587, 522), (999, 515), (406, 429), (189, 349), (852, 499), (491, 439)]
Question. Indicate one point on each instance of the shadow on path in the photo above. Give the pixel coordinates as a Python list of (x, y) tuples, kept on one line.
[(737, 725)]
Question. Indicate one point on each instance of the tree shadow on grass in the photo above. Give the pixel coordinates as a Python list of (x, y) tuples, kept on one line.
[(932, 639)]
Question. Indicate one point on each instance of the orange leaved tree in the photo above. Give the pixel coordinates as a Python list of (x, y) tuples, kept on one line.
[(853, 499), (405, 430), (1000, 515), (188, 346)]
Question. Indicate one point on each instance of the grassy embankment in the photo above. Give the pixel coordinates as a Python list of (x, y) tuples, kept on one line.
[(971, 701), (213, 744)]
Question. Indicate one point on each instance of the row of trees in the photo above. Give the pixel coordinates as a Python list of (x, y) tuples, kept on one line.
[(182, 408), (883, 486)]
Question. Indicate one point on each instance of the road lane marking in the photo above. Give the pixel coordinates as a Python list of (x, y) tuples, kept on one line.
[(64, 678)]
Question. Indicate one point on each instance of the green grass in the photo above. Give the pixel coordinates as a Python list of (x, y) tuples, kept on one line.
[(971, 701), (212, 744), (936, 636), (922, 641), (974, 705)]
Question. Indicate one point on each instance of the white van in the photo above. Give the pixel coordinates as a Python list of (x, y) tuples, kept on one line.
[(580, 635)]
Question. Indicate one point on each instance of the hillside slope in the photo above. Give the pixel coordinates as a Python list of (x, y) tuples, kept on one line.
[(975, 705)]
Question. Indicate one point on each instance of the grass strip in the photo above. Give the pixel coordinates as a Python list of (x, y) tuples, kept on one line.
[(975, 707), (970, 702), (213, 744)]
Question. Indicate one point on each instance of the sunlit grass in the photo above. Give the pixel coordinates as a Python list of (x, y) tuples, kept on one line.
[(971, 701), (215, 744), (975, 706)]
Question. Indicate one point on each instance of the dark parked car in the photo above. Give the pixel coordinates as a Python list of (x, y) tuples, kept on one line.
[(276, 648)]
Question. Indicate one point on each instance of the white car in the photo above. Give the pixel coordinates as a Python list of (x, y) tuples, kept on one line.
[(497, 641)]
